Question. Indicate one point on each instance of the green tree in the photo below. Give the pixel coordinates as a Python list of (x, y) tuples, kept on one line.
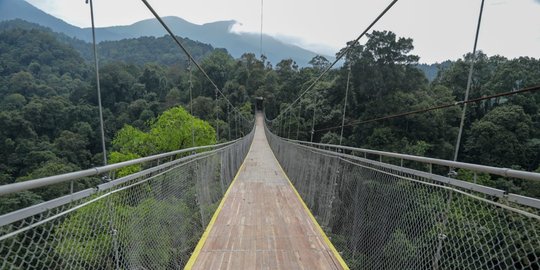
[(170, 131), (500, 138), (73, 147), (219, 66), (154, 80)]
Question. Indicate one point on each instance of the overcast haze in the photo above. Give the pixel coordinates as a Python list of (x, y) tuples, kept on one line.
[(441, 29)]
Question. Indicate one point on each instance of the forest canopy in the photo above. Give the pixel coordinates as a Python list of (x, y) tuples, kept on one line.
[(49, 115)]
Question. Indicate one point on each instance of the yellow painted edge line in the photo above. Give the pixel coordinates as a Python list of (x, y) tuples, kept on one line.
[(326, 240), (202, 241)]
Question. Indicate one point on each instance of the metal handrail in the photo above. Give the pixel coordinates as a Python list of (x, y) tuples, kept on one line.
[(56, 179), (506, 172), (510, 197)]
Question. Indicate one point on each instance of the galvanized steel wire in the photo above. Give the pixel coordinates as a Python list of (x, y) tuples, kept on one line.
[(469, 83)]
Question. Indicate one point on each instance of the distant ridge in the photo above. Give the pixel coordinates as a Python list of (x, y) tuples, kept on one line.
[(140, 51), (217, 34)]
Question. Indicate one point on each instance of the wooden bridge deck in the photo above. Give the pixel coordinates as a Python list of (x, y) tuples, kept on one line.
[(262, 223)]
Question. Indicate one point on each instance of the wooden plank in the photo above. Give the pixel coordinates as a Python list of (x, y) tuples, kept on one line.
[(263, 224)]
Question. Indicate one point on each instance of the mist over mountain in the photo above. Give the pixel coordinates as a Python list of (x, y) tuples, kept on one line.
[(218, 34)]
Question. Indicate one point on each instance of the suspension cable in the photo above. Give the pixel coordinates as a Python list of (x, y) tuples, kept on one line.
[(340, 55), (437, 257), (262, 13), (469, 82), (298, 121), (345, 103), (217, 116), (313, 124), (96, 64), (191, 104), (110, 203), (289, 128), (188, 54), (229, 121), (444, 106)]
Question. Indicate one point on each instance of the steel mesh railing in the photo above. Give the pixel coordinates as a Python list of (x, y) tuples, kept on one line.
[(384, 216), (148, 220)]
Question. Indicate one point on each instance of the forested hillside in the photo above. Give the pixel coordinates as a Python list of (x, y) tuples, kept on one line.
[(502, 132), (50, 123), (48, 106), (138, 51)]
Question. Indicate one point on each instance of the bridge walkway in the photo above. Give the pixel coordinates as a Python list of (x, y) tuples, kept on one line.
[(262, 223)]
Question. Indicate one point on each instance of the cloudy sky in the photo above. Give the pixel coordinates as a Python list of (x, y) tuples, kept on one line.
[(441, 29)]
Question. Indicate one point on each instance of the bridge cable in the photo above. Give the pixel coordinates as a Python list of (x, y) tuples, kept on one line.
[(298, 122), (284, 134), (345, 103), (313, 124), (191, 103), (229, 121), (469, 82), (285, 126), (98, 86), (458, 141), (188, 54), (444, 106), (289, 129), (340, 55), (262, 13), (280, 128), (217, 116), (110, 203), (460, 133)]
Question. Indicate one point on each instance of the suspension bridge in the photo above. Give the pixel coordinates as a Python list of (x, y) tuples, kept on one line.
[(264, 201), (343, 208), (263, 222)]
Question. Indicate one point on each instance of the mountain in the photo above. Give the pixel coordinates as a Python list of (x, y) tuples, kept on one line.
[(217, 34), (18, 9), (162, 50)]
